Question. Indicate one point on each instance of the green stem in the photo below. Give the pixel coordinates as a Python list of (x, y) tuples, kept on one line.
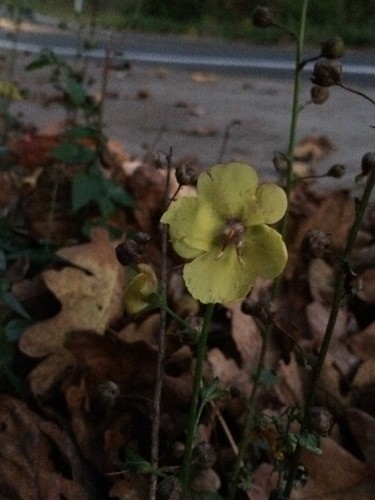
[(335, 308), (193, 410), (283, 229), (295, 109)]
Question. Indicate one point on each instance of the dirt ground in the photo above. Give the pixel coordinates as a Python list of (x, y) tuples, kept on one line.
[(155, 108)]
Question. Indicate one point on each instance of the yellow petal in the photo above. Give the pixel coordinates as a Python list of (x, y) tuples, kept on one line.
[(228, 275), (264, 252), (193, 226), (210, 279), (228, 188), (269, 207), (139, 290)]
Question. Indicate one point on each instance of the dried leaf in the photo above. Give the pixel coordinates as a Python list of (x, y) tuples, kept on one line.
[(362, 344), (31, 451), (90, 296), (336, 474), (362, 426), (246, 336)]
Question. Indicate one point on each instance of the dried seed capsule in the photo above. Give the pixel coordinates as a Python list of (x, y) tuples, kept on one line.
[(127, 252), (321, 420), (368, 163), (186, 176), (318, 94), (280, 162), (327, 73), (262, 17), (316, 243), (204, 455), (333, 48), (109, 393), (336, 171)]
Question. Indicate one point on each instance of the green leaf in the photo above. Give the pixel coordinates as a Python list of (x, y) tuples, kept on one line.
[(3, 261), (46, 59), (268, 377), (80, 131), (15, 328), (72, 153), (76, 93), (117, 193), (311, 442), (85, 189), (11, 301), (94, 187), (106, 206)]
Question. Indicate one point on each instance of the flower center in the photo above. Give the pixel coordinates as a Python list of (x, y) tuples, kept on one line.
[(233, 233)]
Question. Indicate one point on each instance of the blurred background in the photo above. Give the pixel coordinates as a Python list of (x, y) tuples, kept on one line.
[(229, 19)]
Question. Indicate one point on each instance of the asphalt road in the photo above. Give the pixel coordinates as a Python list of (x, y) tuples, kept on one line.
[(178, 52), (156, 105)]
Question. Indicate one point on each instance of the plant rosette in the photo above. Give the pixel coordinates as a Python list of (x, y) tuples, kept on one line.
[(224, 233)]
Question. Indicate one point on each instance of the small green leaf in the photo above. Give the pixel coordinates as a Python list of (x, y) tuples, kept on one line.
[(46, 59), (72, 153), (15, 328), (268, 377), (76, 93), (11, 301), (3, 261), (311, 442), (85, 189), (80, 131)]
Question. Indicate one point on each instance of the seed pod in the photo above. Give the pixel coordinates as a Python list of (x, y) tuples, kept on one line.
[(321, 420), (327, 73), (262, 17), (280, 162), (336, 171), (127, 253), (333, 48), (109, 393), (367, 163), (316, 243), (318, 94), (204, 455), (186, 176)]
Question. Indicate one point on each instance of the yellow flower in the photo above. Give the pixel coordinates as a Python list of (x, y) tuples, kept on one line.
[(140, 289), (224, 232)]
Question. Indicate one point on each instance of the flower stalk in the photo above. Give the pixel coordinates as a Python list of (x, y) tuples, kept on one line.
[(335, 308), (283, 230), (193, 410)]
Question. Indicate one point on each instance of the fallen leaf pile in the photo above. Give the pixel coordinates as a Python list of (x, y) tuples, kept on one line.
[(90, 369)]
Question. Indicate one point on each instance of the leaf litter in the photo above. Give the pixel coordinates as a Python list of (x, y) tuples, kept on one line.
[(90, 369)]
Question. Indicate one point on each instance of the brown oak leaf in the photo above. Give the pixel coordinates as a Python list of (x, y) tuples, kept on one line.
[(90, 294)]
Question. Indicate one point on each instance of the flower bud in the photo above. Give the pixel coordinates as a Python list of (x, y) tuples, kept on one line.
[(327, 73), (280, 162), (262, 17), (333, 48), (316, 243), (186, 176), (321, 420), (318, 94), (127, 253), (204, 455), (131, 250), (368, 163), (109, 393), (336, 171)]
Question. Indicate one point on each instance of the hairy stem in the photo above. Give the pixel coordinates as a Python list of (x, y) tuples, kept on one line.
[(283, 229), (335, 308), (161, 352), (193, 410)]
